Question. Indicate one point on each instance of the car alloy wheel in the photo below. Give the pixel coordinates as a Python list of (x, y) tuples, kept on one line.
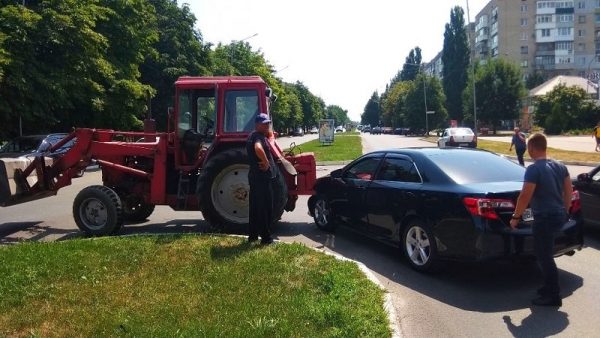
[(418, 246)]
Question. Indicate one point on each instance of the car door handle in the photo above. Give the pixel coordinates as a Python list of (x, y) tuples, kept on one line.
[(409, 195)]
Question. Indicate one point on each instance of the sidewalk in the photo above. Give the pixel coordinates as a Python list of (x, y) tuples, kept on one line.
[(572, 143)]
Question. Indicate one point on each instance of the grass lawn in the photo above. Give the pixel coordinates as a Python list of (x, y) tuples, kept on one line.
[(345, 147), (558, 154), (192, 286)]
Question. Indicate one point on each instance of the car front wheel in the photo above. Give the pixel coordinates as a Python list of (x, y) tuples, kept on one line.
[(322, 214)]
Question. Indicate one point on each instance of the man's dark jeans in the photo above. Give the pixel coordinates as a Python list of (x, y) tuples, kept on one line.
[(520, 153), (545, 228)]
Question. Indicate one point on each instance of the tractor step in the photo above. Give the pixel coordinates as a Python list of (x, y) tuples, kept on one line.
[(183, 188)]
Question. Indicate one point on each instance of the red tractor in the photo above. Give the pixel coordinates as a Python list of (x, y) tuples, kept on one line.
[(200, 163)]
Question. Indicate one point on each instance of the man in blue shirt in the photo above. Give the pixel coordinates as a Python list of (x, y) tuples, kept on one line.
[(547, 190), (261, 176), (518, 141)]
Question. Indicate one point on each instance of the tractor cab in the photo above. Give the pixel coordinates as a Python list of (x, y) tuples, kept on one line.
[(211, 110)]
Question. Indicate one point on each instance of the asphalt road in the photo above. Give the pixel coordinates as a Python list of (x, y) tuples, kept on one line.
[(462, 300)]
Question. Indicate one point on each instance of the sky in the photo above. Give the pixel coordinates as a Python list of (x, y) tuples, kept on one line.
[(342, 50)]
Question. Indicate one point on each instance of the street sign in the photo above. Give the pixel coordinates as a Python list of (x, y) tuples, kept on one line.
[(430, 112)]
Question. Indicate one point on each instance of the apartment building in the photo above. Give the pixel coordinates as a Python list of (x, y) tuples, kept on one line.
[(553, 37)]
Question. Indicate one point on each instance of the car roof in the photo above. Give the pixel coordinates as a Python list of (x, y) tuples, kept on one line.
[(424, 151)]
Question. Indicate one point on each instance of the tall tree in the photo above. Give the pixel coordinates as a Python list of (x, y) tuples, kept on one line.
[(392, 105), (455, 57), (372, 112), (414, 105), (179, 51), (499, 91), (412, 65), (338, 114)]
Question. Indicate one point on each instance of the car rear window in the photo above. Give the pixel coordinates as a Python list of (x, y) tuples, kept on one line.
[(461, 131), (469, 166)]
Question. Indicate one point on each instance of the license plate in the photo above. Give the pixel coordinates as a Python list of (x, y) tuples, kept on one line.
[(464, 144), (527, 215)]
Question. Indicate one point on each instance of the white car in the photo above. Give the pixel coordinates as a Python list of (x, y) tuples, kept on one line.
[(313, 130), (457, 137), (340, 129)]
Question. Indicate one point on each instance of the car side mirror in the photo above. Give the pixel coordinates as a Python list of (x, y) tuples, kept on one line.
[(585, 177), (336, 173)]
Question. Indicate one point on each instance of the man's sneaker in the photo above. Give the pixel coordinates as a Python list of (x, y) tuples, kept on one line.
[(547, 301)]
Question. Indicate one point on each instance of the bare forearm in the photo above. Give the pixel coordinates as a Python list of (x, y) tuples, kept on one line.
[(524, 198)]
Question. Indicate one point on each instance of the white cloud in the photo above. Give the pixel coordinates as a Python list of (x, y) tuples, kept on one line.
[(342, 50)]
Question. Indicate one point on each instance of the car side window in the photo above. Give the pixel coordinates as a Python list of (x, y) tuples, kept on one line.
[(596, 177), (363, 170), (399, 170)]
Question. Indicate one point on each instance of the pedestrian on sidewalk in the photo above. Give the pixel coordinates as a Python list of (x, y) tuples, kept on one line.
[(261, 178), (547, 190), (518, 141), (596, 135)]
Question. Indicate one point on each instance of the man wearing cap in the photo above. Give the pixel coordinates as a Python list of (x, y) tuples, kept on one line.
[(261, 177)]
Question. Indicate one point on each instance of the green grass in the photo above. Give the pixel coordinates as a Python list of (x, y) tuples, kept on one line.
[(558, 154), (345, 147), (192, 286)]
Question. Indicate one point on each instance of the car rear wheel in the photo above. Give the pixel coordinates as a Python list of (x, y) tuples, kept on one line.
[(419, 246), (322, 214)]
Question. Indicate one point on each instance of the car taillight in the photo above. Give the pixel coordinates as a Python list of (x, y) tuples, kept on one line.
[(575, 202), (486, 207)]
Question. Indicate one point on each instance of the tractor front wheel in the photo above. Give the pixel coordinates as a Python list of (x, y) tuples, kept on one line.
[(225, 192), (98, 211), (135, 209)]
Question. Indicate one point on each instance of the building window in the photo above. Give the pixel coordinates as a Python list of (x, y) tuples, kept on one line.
[(597, 18), (582, 19), (565, 31), (565, 18), (564, 60), (564, 45), (581, 4), (597, 3), (524, 63), (581, 46), (581, 32), (524, 36), (544, 18), (545, 32), (523, 22), (524, 50)]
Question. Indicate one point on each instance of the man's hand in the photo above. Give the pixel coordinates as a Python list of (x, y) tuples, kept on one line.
[(514, 223), (264, 166)]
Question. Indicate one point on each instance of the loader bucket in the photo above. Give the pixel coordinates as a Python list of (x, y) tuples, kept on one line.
[(16, 188)]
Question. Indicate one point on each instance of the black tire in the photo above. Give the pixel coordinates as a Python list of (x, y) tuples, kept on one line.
[(419, 246), (98, 211), (229, 213), (135, 209), (321, 211)]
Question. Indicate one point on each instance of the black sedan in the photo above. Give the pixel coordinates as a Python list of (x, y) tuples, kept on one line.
[(588, 185), (435, 204)]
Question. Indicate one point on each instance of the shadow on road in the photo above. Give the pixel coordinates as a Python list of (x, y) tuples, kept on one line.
[(36, 232), (542, 322), (494, 286)]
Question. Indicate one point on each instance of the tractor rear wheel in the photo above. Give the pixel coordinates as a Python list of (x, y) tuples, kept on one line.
[(98, 211), (224, 191)]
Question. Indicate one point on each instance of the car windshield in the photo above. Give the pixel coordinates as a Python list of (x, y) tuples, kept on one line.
[(461, 131), (21, 145), (467, 166)]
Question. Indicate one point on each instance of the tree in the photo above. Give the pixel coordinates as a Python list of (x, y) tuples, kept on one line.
[(392, 105), (565, 108), (499, 89), (411, 67), (338, 114), (455, 57), (372, 112), (414, 103), (179, 51), (535, 79)]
